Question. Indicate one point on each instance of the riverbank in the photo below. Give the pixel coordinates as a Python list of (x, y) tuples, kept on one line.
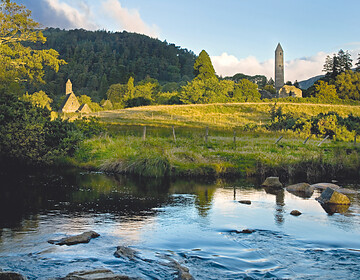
[(249, 154), (218, 140)]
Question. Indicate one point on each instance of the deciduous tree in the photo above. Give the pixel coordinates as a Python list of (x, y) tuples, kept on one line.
[(18, 61)]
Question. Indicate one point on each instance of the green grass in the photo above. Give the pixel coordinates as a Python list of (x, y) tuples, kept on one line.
[(123, 150), (215, 115)]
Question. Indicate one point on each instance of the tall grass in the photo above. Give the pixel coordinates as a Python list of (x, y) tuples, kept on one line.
[(255, 154)]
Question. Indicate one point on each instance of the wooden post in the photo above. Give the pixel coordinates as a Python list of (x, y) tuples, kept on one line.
[(277, 141), (206, 135), (234, 139), (355, 139), (307, 138), (173, 131), (144, 133), (326, 137)]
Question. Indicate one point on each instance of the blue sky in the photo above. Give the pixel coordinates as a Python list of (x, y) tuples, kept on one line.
[(239, 35)]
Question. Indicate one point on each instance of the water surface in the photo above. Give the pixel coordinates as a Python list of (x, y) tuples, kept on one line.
[(193, 222)]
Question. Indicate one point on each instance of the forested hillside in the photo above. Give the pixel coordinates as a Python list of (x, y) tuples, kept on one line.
[(98, 59)]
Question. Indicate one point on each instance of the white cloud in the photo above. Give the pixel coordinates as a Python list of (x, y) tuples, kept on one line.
[(77, 18), (129, 20), (297, 69)]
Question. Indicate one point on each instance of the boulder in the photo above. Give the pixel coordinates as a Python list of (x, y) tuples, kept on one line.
[(125, 252), (301, 189), (96, 274), (11, 275), (330, 196), (76, 239), (323, 186), (182, 271), (295, 213), (245, 202), (335, 208), (272, 182)]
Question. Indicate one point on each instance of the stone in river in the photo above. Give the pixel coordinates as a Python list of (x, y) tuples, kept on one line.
[(96, 274), (330, 196), (11, 275), (245, 201), (323, 186), (272, 182), (301, 189), (125, 252), (76, 239), (295, 213)]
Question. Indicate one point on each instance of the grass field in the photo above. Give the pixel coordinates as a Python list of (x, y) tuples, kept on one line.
[(251, 153)]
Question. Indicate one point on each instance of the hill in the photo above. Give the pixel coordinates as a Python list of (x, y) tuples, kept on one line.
[(97, 59), (309, 82)]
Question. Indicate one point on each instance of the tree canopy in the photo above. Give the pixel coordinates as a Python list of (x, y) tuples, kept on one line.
[(18, 61), (203, 68)]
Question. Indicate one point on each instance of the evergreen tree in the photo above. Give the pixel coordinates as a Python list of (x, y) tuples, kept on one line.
[(203, 68), (358, 64), (345, 61), (328, 66)]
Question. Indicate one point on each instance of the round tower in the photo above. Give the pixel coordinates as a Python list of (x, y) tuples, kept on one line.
[(68, 87), (279, 68)]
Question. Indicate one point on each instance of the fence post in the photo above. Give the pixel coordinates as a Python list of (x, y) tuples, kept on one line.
[(307, 138), (206, 135), (355, 139), (277, 141), (234, 139), (173, 131), (144, 133), (326, 137)]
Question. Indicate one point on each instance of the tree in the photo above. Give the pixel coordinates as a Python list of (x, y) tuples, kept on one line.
[(84, 99), (328, 66), (203, 68), (39, 99), (358, 64), (348, 85), (245, 91), (325, 92), (296, 84), (345, 61), (20, 62)]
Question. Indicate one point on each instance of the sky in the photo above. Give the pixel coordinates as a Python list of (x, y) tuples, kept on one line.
[(239, 35)]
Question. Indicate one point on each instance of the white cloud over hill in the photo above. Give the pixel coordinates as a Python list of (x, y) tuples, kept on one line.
[(297, 69)]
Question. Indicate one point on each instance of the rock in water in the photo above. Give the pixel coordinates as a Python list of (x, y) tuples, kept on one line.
[(245, 202), (125, 252), (10, 275), (97, 274), (295, 213), (301, 189), (76, 239), (330, 196), (272, 182), (323, 186)]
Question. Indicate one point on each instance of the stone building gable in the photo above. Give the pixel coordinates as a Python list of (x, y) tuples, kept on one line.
[(70, 104), (292, 91), (84, 109), (107, 105)]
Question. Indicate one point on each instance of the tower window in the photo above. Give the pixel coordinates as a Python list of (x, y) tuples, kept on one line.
[(280, 53)]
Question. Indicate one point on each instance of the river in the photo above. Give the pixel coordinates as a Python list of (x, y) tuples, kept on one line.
[(196, 223)]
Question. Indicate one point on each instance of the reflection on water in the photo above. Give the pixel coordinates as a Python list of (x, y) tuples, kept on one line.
[(195, 222)]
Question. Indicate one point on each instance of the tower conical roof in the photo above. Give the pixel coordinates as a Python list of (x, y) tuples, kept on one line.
[(279, 48)]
